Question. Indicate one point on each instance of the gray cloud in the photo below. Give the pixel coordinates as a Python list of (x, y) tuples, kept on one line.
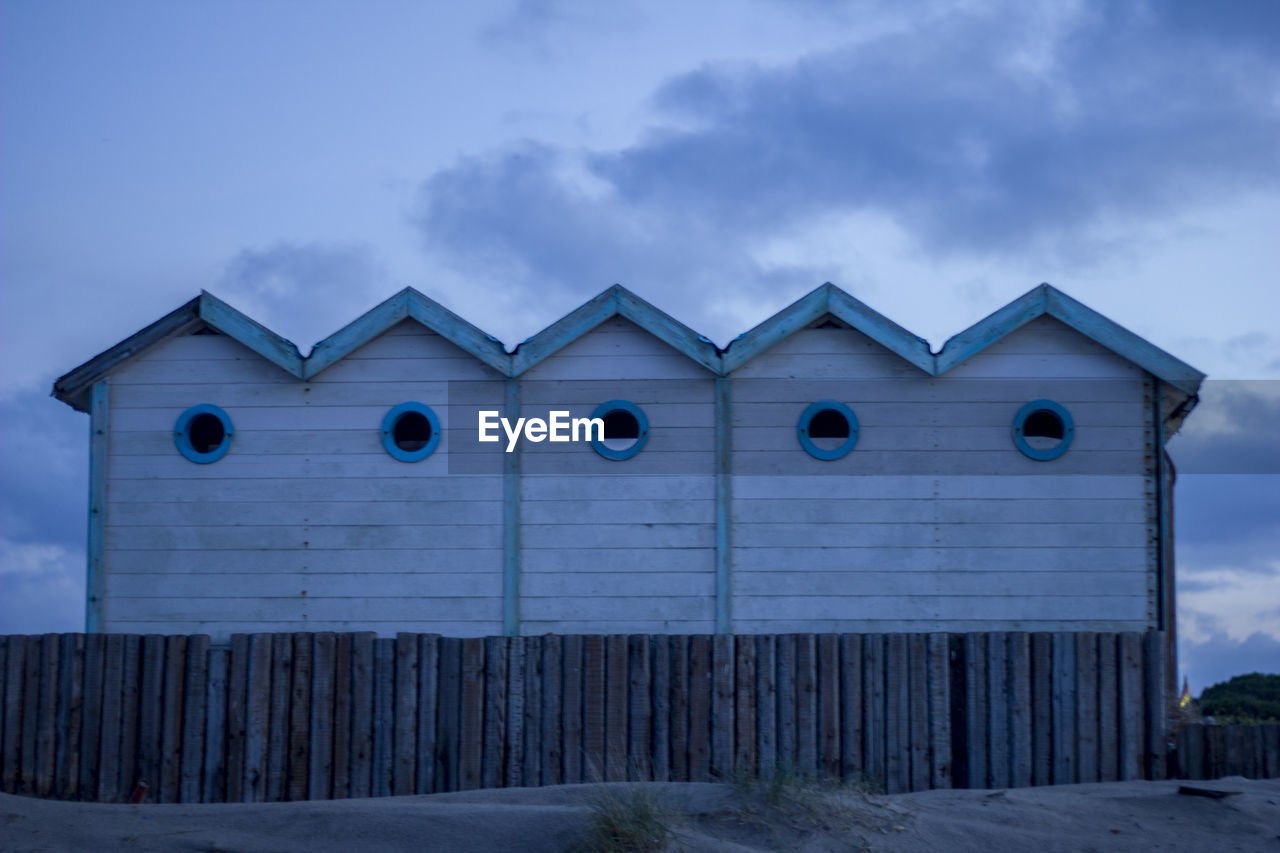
[(1220, 657), (977, 132), (298, 289)]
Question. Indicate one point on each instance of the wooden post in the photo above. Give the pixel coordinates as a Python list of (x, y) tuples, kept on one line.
[(616, 682), (873, 707), (1156, 722), (680, 709), (257, 724), (786, 690), (572, 708), (829, 705), (11, 746), (1064, 709), (897, 719), (1108, 703), (1129, 676), (555, 711), (276, 783), (384, 715), (472, 714), (323, 653), (722, 692), (744, 710), (700, 708), (213, 784), (976, 722), (851, 767), (767, 703), (66, 782), (495, 712), (1019, 701), (918, 715), (448, 714), (513, 760), (362, 690), (997, 702), (47, 715), (150, 706), (406, 710), (660, 667), (129, 693), (1087, 733), (428, 704), (1041, 709), (193, 718), (109, 734), (639, 710)]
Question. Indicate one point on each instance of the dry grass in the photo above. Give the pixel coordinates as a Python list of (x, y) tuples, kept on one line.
[(626, 821)]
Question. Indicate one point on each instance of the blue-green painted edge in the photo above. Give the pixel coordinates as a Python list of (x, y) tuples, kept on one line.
[(95, 573)]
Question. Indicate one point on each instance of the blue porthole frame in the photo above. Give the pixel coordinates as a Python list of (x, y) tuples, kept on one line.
[(1039, 454), (389, 428), (832, 454), (636, 412), (182, 434)]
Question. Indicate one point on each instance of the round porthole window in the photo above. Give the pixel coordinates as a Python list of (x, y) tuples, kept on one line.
[(410, 432), (1043, 430), (203, 433), (828, 430), (626, 429)]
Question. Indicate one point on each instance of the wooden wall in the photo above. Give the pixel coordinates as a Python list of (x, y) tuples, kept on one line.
[(307, 524), (935, 522), (620, 545), (319, 715)]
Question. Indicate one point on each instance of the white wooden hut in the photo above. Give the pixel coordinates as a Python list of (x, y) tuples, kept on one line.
[(824, 472)]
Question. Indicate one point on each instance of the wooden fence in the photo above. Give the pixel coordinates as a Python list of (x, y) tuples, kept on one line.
[(1211, 752), (319, 715)]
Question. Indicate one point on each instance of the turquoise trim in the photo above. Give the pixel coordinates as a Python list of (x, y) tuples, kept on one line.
[(813, 306), (511, 568), (1046, 299), (96, 570), (636, 412), (407, 304), (182, 433), (389, 426), (724, 505), (827, 454), (617, 301), (1037, 453)]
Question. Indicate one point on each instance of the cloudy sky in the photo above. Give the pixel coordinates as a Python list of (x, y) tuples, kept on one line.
[(512, 159)]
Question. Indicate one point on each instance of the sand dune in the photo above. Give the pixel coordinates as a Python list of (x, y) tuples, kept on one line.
[(1121, 816)]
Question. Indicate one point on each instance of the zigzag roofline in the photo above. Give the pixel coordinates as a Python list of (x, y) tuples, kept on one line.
[(617, 301)]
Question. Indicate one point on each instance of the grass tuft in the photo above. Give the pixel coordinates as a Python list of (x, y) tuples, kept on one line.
[(629, 821)]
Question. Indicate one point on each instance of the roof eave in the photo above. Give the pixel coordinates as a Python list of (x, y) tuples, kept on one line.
[(617, 301)]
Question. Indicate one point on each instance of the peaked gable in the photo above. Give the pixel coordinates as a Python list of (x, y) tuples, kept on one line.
[(828, 300), (1046, 300), (408, 304), (205, 310), (617, 301)]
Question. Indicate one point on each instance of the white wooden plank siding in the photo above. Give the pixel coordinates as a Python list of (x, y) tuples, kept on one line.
[(307, 524), (935, 522), (620, 546)]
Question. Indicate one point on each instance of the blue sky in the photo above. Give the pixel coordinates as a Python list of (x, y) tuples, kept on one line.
[(512, 159)]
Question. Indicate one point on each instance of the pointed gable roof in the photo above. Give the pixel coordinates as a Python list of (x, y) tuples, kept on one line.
[(828, 300), (1048, 300), (617, 301), (205, 310), (408, 304)]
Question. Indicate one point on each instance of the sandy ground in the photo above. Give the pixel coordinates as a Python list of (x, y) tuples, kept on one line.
[(1121, 816)]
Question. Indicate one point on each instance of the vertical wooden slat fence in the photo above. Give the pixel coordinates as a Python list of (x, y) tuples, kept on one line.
[(313, 716)]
